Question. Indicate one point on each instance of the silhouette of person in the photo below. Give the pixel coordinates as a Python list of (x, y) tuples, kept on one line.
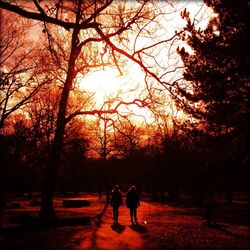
[(116, 202), (208, 210), (100, 192), (133, 202)]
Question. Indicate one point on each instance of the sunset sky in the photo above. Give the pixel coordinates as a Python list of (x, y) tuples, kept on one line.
[(108, 83), (150, 96), (103, 84)]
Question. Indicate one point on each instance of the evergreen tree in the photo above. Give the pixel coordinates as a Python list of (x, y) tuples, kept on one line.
[(216, 78)]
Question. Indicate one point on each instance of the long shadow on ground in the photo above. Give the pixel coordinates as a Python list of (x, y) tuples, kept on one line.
[(138, 228), (118, 228), (224, 230), (98, 224), (38, 223)]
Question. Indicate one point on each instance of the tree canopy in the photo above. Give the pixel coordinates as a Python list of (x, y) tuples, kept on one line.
[(215, 88)]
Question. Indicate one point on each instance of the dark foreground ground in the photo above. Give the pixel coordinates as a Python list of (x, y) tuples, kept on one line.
[(162, 226)]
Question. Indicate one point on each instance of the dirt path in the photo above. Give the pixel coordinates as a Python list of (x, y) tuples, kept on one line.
[(168, 227), (120, 236)]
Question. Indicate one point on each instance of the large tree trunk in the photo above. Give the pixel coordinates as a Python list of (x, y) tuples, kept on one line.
[(54, 161)]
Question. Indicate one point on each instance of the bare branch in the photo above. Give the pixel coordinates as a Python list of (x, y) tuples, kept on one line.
[(114, 110), (45, 18)]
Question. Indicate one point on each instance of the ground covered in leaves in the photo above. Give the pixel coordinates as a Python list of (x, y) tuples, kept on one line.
[(161, 226)]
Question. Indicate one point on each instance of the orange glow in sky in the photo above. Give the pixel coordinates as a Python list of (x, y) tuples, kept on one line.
[(107, 83)]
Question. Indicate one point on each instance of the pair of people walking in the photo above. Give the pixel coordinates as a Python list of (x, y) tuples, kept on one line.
[(132, 202)]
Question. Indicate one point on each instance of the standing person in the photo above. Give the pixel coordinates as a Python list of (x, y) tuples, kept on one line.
[(133, 202), (100, 191), (116, 202), (1, 210), (208, 209)]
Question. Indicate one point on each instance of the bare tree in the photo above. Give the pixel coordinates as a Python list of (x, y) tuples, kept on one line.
[(106, 23), (103, 138), (19, 75), (128, 139)]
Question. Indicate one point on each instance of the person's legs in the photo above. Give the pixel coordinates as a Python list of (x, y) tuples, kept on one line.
[(135, 215), (208, 215), (116, 214), (131, 215)]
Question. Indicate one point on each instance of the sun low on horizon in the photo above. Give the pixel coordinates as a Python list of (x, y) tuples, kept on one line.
[(107, 84), (104, 84)]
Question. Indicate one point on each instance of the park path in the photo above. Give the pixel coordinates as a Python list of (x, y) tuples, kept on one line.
[(168, 227), (120, 236)]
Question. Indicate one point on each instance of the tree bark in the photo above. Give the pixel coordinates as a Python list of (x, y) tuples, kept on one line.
[(54, 162)]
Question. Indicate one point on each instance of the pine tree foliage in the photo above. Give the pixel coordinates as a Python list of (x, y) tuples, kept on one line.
[(216, 78)]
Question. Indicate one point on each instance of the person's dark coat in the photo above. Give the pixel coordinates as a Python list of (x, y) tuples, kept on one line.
[(132, 199), (116, 198)]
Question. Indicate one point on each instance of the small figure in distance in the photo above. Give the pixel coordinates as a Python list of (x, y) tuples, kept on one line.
[(100, 192), (116, 202), (208, 209), (133, 202)]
